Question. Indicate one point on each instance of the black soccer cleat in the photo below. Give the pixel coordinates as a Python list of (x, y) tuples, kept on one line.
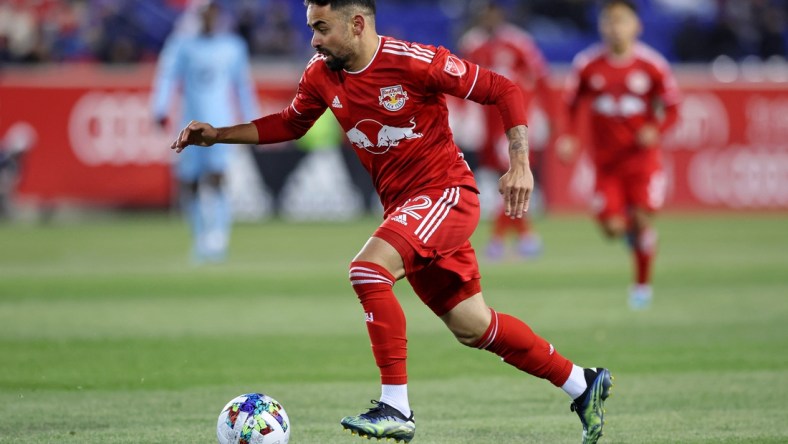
[(590, 406), (381, 421)]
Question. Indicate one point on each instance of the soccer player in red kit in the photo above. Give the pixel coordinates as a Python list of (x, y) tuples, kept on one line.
[(388, 96), (502, 47), (633, 99)]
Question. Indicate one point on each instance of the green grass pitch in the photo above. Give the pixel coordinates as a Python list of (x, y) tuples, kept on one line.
[(109, 335)]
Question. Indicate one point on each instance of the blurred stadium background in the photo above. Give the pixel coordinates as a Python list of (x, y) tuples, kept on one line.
[(109, 334), (76, 76)]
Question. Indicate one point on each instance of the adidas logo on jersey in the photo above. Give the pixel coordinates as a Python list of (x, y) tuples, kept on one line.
[(336, 103), (401, 218)]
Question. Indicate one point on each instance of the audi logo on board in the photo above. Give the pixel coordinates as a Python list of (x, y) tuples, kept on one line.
[(116, 128)]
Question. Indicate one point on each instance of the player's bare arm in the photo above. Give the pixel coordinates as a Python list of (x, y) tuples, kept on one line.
[(204, 134), (517, 184)]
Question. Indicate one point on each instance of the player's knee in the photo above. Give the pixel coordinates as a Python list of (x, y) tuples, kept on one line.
[(215, 180), (610, 232), (641, 219), (468, 338), (470, 332), (469, 320), (614, 227), (189, 187)]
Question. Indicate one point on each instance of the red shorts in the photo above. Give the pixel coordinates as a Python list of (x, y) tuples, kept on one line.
[(616, 193), (431, 231)]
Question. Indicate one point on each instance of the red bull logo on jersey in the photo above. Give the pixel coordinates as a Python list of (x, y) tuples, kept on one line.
[(393, 98), (384, 137)]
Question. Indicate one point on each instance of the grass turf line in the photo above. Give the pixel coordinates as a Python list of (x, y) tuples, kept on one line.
[(108, 335)]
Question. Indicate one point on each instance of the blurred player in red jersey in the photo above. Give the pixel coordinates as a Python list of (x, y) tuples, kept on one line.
[(388, 96), (633, 100), (510, 51)]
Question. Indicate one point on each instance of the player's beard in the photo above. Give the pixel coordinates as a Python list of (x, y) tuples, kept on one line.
[(333, 61)]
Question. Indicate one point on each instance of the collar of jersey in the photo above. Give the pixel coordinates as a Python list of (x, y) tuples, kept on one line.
[(621, 62), (380, 41)]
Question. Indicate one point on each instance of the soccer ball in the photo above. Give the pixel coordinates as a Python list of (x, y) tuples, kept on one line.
[(253, 418)]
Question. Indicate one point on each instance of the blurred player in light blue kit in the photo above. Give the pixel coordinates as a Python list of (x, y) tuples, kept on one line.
[(209, 66)]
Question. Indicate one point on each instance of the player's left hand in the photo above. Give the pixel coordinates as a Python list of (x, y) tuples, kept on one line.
[(648, 136), (516, 187)]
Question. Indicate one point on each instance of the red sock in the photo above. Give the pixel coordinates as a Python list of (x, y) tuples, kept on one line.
[(645, 248), (522, 225), (500, 224), (504, 223), (385, 320), (515, 342)]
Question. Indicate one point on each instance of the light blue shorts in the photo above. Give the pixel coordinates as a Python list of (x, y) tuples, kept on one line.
[(196, 161)]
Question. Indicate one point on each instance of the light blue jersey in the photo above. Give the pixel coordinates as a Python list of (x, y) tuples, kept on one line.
[(211, 73)]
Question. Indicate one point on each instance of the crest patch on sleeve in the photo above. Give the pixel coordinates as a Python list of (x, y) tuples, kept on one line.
[(455, 66)]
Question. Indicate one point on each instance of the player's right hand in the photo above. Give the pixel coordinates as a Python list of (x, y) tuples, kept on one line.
[(195, 133), (565, 148)]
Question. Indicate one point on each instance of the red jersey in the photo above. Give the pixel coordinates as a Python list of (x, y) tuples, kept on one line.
[(394, 113), (623, 96), (511, 52)]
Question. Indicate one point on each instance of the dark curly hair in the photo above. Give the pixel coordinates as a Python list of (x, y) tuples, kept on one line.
[(339, 4)]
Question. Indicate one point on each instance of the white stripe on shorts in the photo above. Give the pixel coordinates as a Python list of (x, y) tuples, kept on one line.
[(436, 216), (448, 208)]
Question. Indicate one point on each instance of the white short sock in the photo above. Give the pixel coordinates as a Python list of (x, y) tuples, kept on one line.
[(576, 384), (397, 397)]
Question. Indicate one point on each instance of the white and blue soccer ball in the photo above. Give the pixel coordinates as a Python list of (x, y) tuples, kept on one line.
[(253, 418)]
